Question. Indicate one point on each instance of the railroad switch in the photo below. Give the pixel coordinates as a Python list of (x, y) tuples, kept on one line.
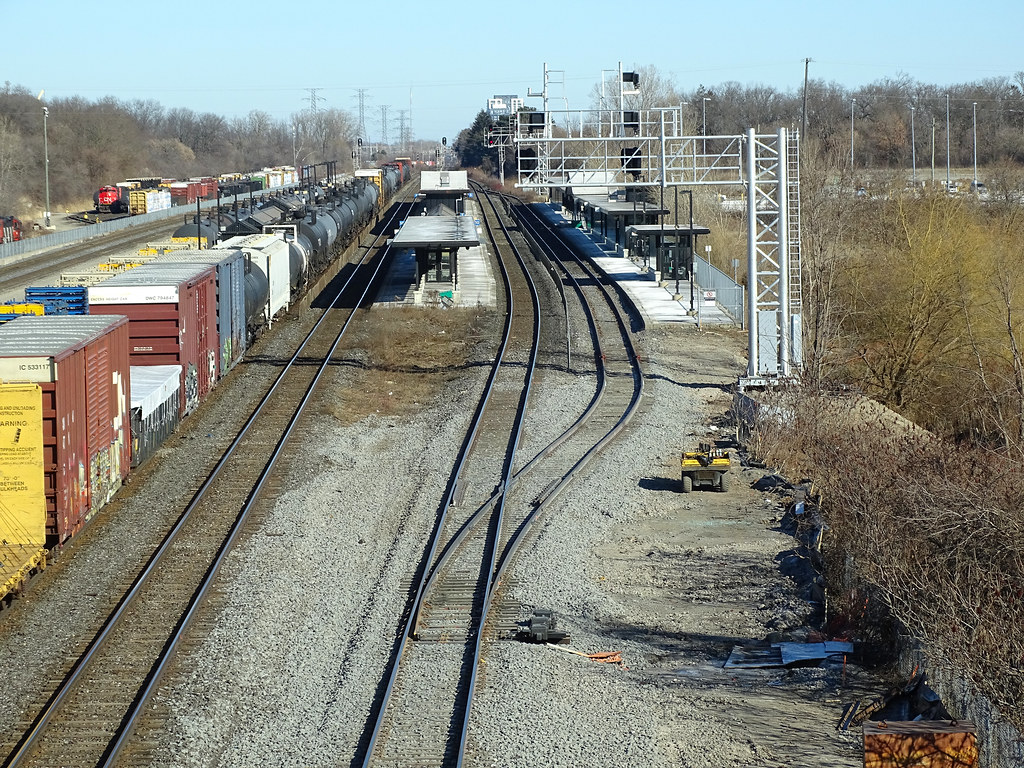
[(541, 629)]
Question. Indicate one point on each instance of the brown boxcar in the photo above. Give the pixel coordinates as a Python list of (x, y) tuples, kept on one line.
[(81, 365), (172, 313)]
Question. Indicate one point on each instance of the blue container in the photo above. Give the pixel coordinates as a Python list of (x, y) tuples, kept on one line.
[(231, 325)]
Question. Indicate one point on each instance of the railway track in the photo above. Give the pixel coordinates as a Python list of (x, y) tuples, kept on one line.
[(426, 709), (426, 699), (40, 268), (94, 716)]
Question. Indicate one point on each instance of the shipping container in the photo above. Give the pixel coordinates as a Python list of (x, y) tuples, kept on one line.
[(22, 486), (148, 200), (231, 324), (155, 408), (172, 309), (269, 260), (81, 366), (207, 186), (186, 192)]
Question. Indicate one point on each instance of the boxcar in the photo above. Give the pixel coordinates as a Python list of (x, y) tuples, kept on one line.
[(231, 326), (172, 312), (81, 366)]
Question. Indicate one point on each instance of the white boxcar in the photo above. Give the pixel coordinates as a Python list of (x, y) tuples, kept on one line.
[(270, 255)]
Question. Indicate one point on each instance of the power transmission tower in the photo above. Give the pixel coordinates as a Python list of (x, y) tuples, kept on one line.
[(313, 98), (361, 95), (384, 124), (402, 136)]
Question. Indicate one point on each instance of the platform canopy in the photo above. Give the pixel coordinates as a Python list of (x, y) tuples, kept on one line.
[(621, 207), (433, 182), (667, 229), (437, 232)]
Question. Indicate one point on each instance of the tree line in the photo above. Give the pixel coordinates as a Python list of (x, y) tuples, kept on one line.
[(891, 123), (94, 143)]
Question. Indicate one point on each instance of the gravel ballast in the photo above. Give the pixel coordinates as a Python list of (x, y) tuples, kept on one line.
[(307, 603)]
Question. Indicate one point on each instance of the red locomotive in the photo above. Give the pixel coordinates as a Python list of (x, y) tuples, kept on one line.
[(111, 199), (10, 229)]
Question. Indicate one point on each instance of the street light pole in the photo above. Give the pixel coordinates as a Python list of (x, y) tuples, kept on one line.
[(704, 125), (46, 168), (853, 103), (913, 147), (947, 142), (975, 131)]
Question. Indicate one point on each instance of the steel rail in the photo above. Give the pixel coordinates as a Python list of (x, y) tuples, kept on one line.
[(507, 480), (40, 723), (613, 432), (495, 548), (432, 569)]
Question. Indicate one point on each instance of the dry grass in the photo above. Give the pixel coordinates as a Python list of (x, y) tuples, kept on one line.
[(918, 530), (405, 357)]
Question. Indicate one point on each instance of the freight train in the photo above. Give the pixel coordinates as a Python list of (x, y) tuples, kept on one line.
[(87, 398), (150, 193)]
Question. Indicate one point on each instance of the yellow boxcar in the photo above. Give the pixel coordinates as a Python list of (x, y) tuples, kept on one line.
[(22, 485)]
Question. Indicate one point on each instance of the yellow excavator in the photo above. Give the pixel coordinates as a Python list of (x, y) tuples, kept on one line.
[(707, 466)]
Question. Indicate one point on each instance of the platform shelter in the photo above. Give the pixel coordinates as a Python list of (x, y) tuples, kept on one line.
[(611, 214), (442, 193), (666, 249), (436, 241)]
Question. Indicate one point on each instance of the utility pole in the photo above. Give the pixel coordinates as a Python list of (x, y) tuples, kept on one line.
[(947, 142), (46, 165), (974, 129)]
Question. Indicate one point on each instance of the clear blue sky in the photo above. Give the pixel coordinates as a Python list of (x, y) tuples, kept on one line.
[(448, 58)]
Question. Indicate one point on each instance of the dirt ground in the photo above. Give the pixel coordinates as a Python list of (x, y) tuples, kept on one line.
[(709, 571)]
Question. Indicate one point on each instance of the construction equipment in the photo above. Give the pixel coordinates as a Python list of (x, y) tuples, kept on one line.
[(708, 466)]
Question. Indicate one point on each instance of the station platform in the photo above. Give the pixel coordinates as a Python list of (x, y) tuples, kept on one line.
[(656, 302), (475, 283)]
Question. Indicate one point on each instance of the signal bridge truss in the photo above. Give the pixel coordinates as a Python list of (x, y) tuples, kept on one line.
[(647, 148), (500, 136)]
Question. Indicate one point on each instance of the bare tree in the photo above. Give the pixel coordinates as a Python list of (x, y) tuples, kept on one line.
[(12, 165)]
